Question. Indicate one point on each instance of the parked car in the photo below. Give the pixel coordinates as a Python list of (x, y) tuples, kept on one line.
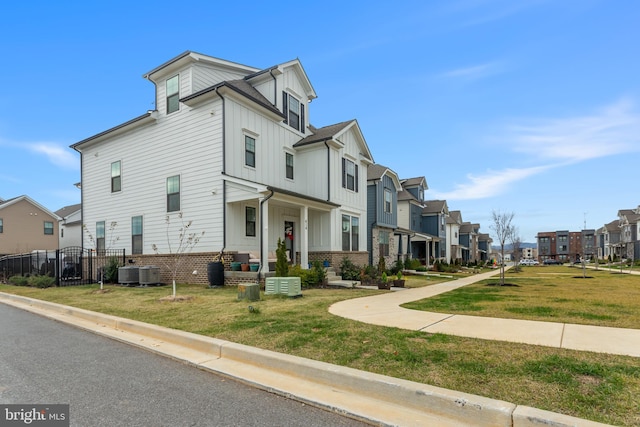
[(528, 262), (552, 262)]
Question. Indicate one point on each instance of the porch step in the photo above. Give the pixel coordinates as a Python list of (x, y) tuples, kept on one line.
[(334, 280)]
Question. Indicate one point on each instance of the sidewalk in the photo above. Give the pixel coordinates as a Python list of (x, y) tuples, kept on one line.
[(385, 310)]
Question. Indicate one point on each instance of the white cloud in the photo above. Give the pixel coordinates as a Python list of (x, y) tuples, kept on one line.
[(59, 156), (479, 12), (492, 183), (613, 130), (476, 71)]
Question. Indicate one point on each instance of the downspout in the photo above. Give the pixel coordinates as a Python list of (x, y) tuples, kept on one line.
[(275, 87), (224, 170), (262, 234), (328, 170)]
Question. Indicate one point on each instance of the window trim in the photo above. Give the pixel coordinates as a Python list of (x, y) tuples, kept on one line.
[(387, 204), (116, 178), (48, 231), (289, 168), (351, 233), (100, 237), (134, 235), (250, 232), (346, 175), (1, 226), (171, 196), (383, 243), (299, 123), (172, 95), (248, 153)]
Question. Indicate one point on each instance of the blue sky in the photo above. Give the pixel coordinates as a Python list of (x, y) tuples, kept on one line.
[(527, 106)]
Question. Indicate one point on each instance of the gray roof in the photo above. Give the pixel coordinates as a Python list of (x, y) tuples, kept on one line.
[(376, 171), (435, 206), (410, 182), (68, 210), (467, 227), (323, 134)]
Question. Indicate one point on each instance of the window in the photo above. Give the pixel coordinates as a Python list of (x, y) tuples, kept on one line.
[(1, 226), (136, 235), (349, 175), (116, 180), (289, 163), (384, 243), (387, 200), (249, 151), (48, 227), (173, 94), (100, 233), (250, 221), (173, 193), (293, 111), (350, 233)]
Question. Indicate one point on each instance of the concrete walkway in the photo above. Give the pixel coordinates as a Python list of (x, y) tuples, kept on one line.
[(385, 310)]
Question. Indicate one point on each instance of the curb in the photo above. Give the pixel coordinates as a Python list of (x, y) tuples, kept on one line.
[(370, 397)]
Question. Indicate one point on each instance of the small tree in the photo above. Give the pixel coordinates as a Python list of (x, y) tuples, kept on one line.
[(516, 244), (185, 243), (503, 229), (282, 266)]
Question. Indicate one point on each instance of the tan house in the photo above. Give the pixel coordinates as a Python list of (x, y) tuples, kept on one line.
[(25, 226)]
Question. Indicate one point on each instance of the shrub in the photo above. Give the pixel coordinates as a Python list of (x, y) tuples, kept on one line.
[(111, 270), (19, 281), (348, 270), (412, 264), (282, 267), (382, 266), (398, 266), (42, 281)]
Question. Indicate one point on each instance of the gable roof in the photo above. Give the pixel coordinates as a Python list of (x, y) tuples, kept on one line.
[(436, 206), (333, 133), (413, 182), (455, 217), (68, 210), (189, 56), (375, 172), (6, 203), (613, 226), (467, 227)]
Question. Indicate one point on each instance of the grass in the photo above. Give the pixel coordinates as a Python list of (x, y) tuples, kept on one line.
[(556, 294), (599, 387)]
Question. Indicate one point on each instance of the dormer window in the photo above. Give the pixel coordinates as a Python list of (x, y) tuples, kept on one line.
[(173, 94), (293, 111)]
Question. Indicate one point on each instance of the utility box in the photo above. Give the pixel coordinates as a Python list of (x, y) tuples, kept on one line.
[(290, 286), (249, 291)]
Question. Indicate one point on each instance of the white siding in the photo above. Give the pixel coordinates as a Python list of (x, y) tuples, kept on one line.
[(186, 143)]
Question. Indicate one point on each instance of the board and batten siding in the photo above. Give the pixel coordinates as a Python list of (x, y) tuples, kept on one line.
[(186, 143)]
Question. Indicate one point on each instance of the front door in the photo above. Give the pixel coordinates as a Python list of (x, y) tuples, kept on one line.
[(288, 240)]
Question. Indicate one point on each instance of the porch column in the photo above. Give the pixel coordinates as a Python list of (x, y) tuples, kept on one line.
[(304, 237), (264, 250)]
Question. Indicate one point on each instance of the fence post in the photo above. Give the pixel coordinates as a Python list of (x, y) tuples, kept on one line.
[(57, 268)]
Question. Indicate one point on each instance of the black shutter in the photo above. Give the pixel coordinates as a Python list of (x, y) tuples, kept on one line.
[(356, 183), (302, 117), (285, 106)]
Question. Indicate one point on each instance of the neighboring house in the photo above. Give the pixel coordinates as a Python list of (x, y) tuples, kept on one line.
[(484, 246), (469, 241), (629, 232), (610, 239), (384, 240), (546, 245), (410, 206), (454, 221), (434, 221), (229, 147), (26, 226), (70, 226)]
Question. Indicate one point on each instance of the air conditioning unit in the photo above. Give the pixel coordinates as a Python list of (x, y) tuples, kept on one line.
[(128, 275), (149, 275)]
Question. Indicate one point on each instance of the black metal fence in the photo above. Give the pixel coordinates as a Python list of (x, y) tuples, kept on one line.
[(70, 266)]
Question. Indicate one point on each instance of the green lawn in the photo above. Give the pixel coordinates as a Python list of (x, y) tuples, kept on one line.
[(554, 294), (594, 386)]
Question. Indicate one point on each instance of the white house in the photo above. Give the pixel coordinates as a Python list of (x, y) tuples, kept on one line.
[(231, 148), (70, 226)]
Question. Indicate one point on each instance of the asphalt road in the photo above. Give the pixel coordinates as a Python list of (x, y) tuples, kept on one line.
[(107, 383)]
